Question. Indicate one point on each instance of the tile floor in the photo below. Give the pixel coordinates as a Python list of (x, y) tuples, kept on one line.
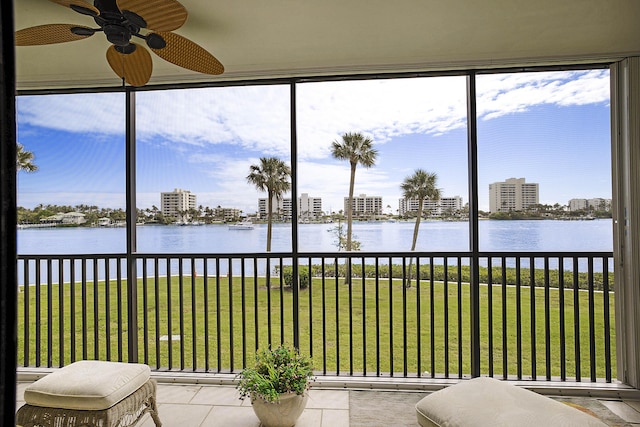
[(217, 405)]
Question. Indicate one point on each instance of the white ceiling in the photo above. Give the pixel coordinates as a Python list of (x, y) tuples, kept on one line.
[(284, 38)]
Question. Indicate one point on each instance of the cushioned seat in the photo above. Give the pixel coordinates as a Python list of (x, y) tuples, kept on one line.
[(114, 393), (489, 402)]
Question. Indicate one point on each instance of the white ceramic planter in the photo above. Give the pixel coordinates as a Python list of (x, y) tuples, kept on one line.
[(283, 413)]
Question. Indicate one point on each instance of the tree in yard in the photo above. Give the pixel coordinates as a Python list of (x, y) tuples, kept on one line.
[(272, 176), (24, 159), (358, 150), (420, 186)]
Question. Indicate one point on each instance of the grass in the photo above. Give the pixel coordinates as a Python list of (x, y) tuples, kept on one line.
[(373, 327)]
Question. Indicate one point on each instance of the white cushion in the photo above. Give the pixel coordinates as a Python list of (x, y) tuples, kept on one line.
[(489, 402), (87, 385)]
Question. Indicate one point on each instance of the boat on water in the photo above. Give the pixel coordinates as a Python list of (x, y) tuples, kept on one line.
[(242, 225)]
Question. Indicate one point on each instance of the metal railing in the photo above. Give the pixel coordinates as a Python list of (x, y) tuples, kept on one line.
[(541, 315)]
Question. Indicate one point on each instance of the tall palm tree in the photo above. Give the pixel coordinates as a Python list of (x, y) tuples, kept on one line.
[(271, 175), (420, 186), (358, 150), (24, 159)]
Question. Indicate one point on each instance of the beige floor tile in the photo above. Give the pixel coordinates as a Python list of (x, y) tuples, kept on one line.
[(310, 418), (635, 404), (622, 410), (335, 418), (179, 415), (230, 416), (176, 393), (328, 399), (217, 395)]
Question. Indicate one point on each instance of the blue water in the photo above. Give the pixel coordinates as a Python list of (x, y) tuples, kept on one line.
[(435, 236), (548, 235)]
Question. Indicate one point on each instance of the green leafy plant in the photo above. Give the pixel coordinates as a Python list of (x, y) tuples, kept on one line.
[(276, 371)]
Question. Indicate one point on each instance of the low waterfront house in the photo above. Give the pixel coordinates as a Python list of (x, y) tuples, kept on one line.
[(69, 218)]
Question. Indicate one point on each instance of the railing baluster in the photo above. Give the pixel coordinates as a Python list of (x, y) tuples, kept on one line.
[(490, 313), (231, 340), (156, 290), (96, 313), (404, 323), (547, 318), (49, 314), (337, 316), (205, 301), (377, 293), (460, 305), (61, 314), (218, 316), (561, 308), (432, 314), (119, 308), (391, 315), (107, 306), (194, 317), (324, 317), (576, 317), (169, 315), (85, 308), (243, 316), (145, 311), (446, 317), (418, 336), (532, 306), (518, 319), (505, 345), (592, 315), (607, 318)]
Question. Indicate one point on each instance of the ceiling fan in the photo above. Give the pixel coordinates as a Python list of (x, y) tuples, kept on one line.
[(124, 20)]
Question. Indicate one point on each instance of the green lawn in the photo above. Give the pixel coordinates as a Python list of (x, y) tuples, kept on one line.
[(372, 333)]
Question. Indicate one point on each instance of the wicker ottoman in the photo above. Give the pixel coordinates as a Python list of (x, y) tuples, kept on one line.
[(90, 393)]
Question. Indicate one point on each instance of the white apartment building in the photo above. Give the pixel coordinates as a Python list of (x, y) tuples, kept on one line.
[(597, 204), (364, 205), (514, 194), (172, 203), (308, 208), (227, 214), (432, 207)]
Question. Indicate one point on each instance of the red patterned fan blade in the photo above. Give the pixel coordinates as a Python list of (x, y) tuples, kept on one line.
[(160, 15), (134, 67), (48, 34), (187, 54)]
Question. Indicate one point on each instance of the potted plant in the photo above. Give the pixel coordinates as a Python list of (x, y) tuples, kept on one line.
[(277, 385)]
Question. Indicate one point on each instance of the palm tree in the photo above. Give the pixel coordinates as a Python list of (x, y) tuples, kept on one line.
[(357, 149), (24, 159), (271, 175), (421, 186)]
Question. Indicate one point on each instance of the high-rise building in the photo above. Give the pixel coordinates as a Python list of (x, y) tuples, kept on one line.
[(596, 204), (364, 205), (174, 203), (431, 207), (514, 194), (308, 208)]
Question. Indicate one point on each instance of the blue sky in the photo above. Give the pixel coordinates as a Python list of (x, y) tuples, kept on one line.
[(550, 128)]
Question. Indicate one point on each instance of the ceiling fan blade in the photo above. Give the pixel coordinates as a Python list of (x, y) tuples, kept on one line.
[(48, 34), (160, 15), (187, 54), (79, 6), (135, 68)]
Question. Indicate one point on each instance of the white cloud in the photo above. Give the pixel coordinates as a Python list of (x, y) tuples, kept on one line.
[(228, 128)]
